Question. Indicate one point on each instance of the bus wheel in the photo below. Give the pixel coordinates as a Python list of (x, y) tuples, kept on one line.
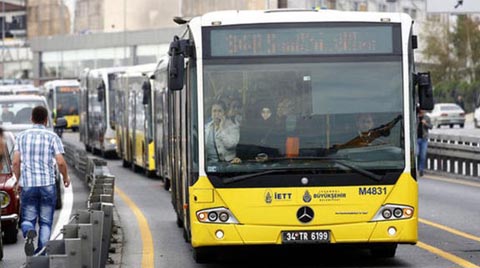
[(125, 163), (179, 222), (202, 255), (74, 129), (150, 173), (166, 184), (383, 250), (186, 235)]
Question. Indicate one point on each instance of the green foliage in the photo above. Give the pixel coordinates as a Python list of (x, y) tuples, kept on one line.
[(454, 52)]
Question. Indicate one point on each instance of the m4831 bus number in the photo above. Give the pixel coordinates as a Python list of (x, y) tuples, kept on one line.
[(372, 190)]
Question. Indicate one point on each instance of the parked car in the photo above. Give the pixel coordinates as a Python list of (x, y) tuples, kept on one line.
[(449, 114), (9, 197)]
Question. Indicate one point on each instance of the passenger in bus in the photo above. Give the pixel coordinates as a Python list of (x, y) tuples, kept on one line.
[(235, 111), (221, 135), (257, 136), (7, 115)]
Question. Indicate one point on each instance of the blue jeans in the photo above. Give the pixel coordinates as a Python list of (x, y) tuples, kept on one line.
[(422, 145), (38, 203)]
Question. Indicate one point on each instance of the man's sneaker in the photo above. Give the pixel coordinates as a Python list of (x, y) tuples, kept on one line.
[(29, 247)]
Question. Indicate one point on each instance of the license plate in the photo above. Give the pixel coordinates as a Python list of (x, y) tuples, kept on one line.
[(298, 237)]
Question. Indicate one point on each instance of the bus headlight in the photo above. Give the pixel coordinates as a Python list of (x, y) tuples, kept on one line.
[(112, 141), (397, 211), (216, 215), (5, 199)]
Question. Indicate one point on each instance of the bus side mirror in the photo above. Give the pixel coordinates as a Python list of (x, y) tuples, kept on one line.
[(101, 91), (425, 92), (50, 94), (179, 49), (147, 90)]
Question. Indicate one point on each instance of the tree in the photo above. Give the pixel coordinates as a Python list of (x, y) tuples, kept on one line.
[(453, 51), (438, 49), (466, 41)]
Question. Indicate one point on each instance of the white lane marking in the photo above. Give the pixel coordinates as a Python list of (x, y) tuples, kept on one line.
[(65, 212)]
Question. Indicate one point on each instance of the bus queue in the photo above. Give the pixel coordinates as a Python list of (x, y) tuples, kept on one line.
[(252, 121)]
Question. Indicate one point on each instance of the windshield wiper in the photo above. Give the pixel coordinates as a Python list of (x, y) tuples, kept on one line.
[(337, 160), (319, 158), (252, 175), (360, 170)]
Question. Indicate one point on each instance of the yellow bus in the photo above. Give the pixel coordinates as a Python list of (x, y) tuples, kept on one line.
[(63, 97), (292, 127), (134, 125)]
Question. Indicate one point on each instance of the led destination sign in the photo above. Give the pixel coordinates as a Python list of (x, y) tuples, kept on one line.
[(334, 40), (66, 89)]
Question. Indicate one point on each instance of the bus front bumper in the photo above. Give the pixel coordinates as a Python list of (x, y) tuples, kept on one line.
[(207, 234)]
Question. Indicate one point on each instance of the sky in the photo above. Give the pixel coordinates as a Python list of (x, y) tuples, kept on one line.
[(453, 6)]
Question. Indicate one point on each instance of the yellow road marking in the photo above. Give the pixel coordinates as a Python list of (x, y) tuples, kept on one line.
[(446, 255), (147, 241), (457, 181), (450, 230), (440, 252)]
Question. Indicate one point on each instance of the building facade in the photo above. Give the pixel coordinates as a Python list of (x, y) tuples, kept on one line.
[(105, 33)]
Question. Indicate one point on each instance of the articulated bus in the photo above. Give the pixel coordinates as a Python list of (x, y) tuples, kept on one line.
[(63, 97), (134, 119), (98, 110), (289, 127)]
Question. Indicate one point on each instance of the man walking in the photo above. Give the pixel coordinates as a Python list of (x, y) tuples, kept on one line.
[(35, 153)]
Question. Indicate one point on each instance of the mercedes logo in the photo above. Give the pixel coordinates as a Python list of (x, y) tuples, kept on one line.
[(305, 214)]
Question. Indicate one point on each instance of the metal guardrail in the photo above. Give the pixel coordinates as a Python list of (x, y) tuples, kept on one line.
[(87, 237), (454, 155)]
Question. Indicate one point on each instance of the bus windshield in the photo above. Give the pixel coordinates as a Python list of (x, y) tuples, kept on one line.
[(296, 114), (67, 101)]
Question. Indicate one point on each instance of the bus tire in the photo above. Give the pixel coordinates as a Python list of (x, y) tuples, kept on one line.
[(74, 129), (186, 235), (202, 255), (166, 184), (150, 173), (384, 250), (125, 163), (179, 222)]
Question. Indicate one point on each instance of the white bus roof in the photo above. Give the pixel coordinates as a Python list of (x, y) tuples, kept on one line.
[(233, 17), (108, 70), (146, 69), (65, 82)]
